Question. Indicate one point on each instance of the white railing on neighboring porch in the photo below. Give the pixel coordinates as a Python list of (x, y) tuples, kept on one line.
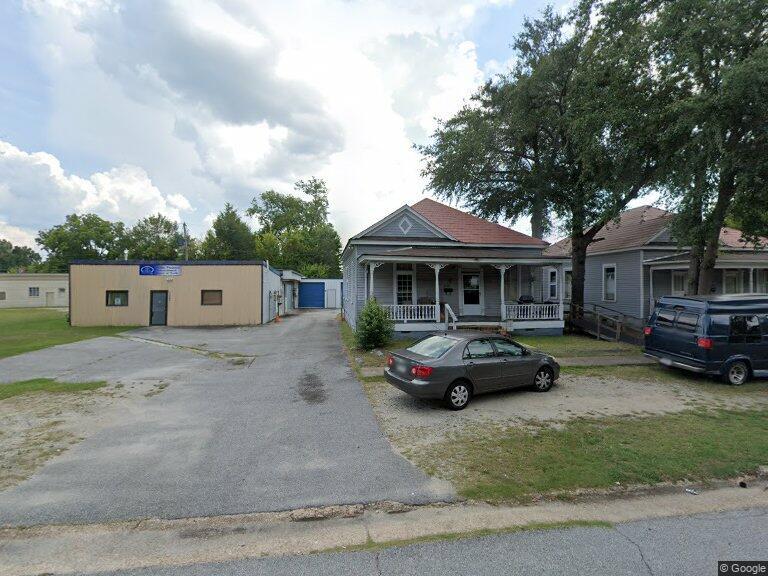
[(532, 312), (450, 317), (412, 312)]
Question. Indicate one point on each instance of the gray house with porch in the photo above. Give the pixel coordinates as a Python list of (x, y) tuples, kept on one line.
[(433, 267), (635, 260)]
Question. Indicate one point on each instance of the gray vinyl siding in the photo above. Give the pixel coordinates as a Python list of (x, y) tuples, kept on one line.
[(271, 286), (628, 266), (417, 229)]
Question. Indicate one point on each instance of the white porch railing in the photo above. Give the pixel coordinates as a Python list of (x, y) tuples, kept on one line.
[(532, 312), (412, 312), (450, 317)]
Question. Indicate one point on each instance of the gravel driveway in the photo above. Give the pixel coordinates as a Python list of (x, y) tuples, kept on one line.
[(290, 429)]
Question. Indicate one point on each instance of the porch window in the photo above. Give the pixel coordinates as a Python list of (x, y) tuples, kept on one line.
[(761, 285), (678, 282), (609, 282), (404, 284), (732, 282), (553, 284), (568, 284)]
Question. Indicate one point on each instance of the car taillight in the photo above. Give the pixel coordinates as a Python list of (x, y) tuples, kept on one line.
[(421, 371), (705, 343), (647, 330), (390, 360)]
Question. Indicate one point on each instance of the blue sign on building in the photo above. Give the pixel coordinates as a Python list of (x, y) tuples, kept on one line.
[(159, 270)]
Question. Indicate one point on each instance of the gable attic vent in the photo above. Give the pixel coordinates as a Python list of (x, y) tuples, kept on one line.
[(405, 225)]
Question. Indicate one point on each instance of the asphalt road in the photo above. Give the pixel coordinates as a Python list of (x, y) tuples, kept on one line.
[(293, 429), (680, 546)]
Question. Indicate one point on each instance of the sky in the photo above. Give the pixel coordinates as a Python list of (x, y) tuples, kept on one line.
[(127, 108)]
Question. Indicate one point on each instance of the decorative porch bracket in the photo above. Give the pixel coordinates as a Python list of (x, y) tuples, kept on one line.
[(371, 267), (437, 268), (502, 268)]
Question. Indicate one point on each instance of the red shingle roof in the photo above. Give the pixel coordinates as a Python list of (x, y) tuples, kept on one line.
[(471, 229)]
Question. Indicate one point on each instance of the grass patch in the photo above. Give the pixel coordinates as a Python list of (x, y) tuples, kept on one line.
[(372, 546), (45, 385), (576, 345), (27, 329), (510, 464), (368, 358)]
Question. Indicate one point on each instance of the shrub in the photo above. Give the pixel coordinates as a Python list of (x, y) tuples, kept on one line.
[(374, 328)]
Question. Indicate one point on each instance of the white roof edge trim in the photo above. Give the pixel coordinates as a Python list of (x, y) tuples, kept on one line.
[(398, 212)]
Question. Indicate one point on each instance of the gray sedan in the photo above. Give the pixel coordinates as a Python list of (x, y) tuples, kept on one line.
[(454, 366)]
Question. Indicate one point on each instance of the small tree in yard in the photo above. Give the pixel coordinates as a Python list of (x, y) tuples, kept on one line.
[(374, 328)]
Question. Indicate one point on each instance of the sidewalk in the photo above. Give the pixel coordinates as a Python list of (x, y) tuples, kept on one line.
[(152, 542)]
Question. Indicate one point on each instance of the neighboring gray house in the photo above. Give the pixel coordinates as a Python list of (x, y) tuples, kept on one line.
[(635, 260), (435, 267)]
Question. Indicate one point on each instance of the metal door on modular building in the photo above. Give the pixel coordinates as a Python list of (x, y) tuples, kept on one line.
[(312, 295)]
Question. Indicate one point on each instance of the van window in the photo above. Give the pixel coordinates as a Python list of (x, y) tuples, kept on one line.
[(745, 329), (687, 321), (665, 317)]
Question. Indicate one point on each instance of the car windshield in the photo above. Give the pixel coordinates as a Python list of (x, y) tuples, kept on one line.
[(433, 346)]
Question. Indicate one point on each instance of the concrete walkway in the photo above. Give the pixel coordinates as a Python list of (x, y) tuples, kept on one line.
[(169, 543)]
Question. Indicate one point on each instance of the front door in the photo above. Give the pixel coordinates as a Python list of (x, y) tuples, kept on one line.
[(470, 282), (49, 299), (158, 308)]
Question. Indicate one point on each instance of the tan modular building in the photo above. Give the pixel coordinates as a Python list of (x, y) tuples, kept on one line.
[(188, 293), (30, 290)]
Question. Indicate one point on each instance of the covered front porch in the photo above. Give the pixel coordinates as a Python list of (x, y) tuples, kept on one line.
[(735, 273), (523, 294)]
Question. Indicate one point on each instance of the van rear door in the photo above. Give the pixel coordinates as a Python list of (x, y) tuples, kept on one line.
[(687, 328)]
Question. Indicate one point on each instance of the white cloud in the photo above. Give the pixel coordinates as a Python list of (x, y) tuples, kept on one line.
[(36, 193), (220, 100)]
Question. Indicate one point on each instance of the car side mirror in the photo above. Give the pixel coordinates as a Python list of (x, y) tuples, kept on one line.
[(525, 352)]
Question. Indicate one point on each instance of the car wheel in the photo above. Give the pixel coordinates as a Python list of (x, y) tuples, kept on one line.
[(458, 395), (543, 380), (737, 374)]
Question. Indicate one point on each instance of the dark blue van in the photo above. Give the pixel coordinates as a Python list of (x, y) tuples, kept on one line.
[(723, 336)]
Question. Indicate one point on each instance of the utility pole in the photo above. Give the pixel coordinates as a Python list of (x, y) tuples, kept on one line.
[(186, 240)]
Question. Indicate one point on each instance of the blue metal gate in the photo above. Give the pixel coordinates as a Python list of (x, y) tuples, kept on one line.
[(312, 295)]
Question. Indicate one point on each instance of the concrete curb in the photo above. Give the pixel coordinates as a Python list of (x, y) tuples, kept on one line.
[(124, 545)]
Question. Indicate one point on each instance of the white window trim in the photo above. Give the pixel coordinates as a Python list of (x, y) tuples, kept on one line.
[(672, 280), (615, 283), (548, 283), (412, 274)]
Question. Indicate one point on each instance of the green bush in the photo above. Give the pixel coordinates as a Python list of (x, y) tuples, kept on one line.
[(374, 328)]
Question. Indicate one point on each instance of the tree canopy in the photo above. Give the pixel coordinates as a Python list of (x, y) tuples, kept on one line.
[(85, 236), (17, 258), (295, 233), (229, 238)]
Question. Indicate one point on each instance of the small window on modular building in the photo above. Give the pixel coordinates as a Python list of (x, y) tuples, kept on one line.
[(2, 295), (34, 291), (117, 298), (211, 297), (62, 290)]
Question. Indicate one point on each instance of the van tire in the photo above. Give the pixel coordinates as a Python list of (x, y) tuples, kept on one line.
[(737, 373)]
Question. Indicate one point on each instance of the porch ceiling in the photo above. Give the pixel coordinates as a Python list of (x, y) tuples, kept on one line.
[(459, 256), (724, 259)]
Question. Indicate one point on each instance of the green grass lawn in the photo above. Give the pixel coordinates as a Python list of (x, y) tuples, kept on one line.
[(26, 329), (46, 385), (512, 464), (369, 359), (572, 345)]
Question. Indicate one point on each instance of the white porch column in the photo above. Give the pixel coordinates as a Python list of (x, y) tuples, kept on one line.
[(437, 268), (502, 268), (751, 280), (561, 290), (371, 267)]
